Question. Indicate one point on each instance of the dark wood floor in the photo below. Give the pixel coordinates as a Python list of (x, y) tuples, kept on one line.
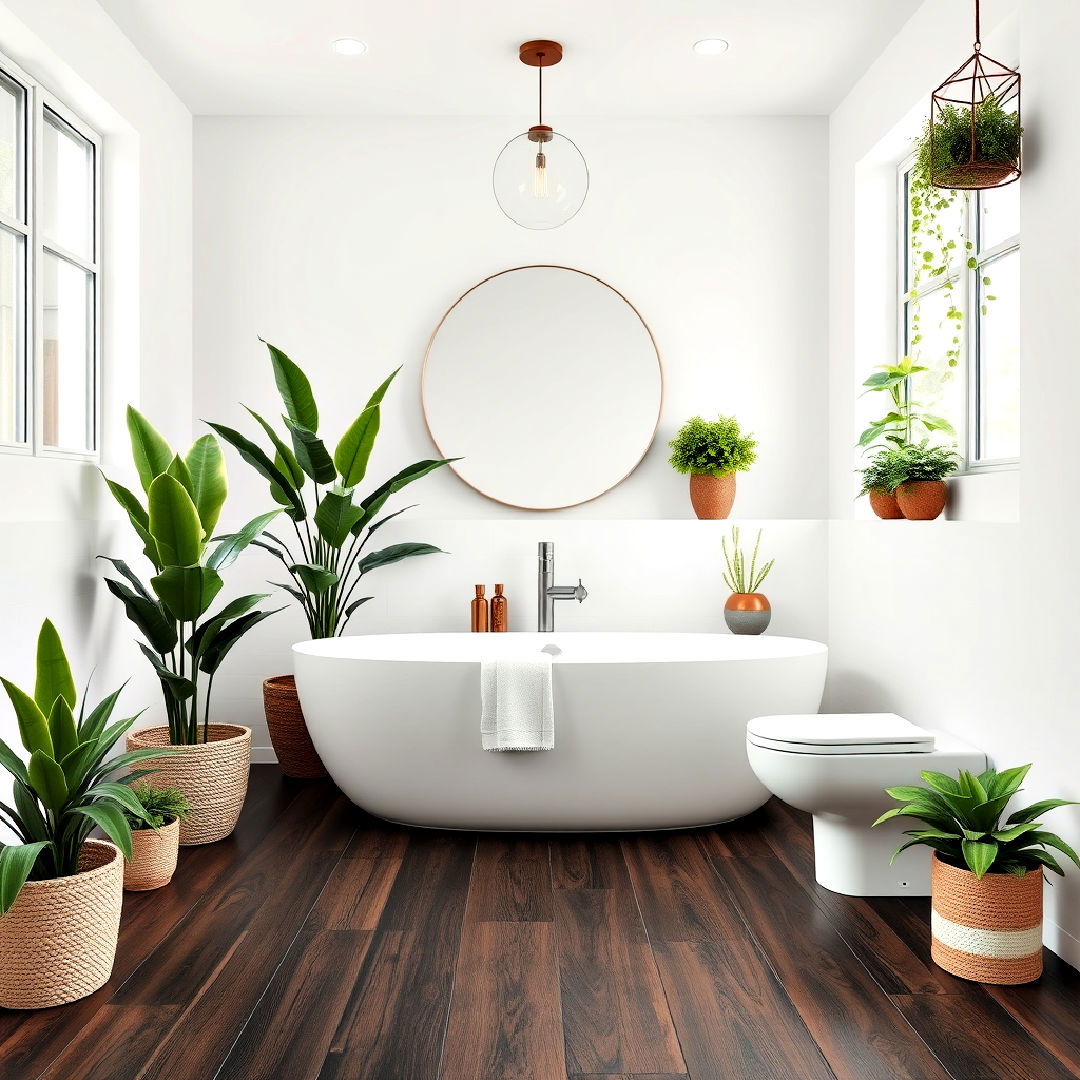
[(318, 942)]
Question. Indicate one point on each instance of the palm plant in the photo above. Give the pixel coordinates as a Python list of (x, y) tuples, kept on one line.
[(327, 563), (184, 498), (62, 790)]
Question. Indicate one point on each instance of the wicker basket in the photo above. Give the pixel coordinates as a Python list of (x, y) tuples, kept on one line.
[(153, 857), (213, 775), (987, 929), (296, 755), (58, 940)]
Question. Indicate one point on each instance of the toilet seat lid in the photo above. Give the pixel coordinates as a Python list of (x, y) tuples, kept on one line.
[(838, 733)]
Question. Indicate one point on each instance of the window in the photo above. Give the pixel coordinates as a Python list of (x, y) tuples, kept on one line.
[(960, 318), (49, 273)]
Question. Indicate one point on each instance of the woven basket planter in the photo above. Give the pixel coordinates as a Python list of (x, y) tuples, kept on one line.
[(987, 929), (213, 775), (58, 941), (296, 755), (153, 857)]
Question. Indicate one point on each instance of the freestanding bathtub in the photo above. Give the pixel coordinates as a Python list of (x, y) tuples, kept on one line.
[(650, 729)]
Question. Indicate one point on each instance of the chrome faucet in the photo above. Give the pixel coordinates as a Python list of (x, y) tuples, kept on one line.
[(547, 593)]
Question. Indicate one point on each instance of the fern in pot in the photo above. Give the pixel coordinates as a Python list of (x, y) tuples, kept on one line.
[(712, 452), (986, 874), (326, 558), (155, 836)]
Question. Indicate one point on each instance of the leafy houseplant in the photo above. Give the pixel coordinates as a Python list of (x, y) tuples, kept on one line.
[(986, 874), (747, 611), (712, 451), (945, 154), (160, 806), (904, 417), (879, 481), (52, 882), (155, 836), (918, 476)]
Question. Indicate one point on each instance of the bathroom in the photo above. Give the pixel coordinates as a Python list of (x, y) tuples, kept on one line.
[(257, 184)]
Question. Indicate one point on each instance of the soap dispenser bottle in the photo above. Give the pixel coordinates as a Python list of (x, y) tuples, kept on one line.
[(479, 608), (499, 613)]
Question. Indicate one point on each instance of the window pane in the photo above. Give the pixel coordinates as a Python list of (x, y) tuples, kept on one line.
[(67, 375), (999, 215), (67, 187), (12, 98), (999, 359), (12, 352), (939, 390)]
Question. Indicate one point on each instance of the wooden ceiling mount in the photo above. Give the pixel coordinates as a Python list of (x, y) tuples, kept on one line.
[(540, 53)]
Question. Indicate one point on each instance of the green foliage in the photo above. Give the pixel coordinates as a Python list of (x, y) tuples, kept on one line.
[(997, 139), (890, 468), (62, 789), (964, 819), (160, 805), (326, 564), (904, 416), (184, 499), (712, 447), (739, 577)]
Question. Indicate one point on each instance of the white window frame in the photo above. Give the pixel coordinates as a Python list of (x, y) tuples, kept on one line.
[(967, 283), (32, 343)]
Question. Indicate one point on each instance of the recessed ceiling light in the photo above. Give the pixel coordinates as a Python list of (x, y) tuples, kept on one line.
[(350, 46), (712, 46)]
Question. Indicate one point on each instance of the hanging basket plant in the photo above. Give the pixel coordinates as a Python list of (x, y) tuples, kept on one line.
[(972, 138)]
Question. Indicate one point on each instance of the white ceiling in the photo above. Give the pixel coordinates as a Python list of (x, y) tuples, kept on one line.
[(459, 57)]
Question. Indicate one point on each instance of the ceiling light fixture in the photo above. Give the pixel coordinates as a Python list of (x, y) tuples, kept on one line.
[(349, 46), (712, 46), (540, 178)]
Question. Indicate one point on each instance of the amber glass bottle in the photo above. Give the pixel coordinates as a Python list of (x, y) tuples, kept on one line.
[(479, 609), (499, 613)]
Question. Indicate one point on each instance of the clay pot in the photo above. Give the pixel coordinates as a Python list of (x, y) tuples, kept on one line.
[(58, 940), (921, 500), (296, 755), (884, 504), (213, 775), (747, 613), (987, 929), (712, 496), (153, 857)]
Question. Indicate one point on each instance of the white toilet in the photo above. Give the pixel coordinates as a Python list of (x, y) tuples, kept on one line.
[(836, 767)]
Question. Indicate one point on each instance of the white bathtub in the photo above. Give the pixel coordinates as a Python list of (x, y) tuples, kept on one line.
[(650, 729)]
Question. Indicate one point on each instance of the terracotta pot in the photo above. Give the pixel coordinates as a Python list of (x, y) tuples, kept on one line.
[(921, 500), (58, 940), (986, 929), (712, 496), (884, 504), (153, 857), (213, 776), (296, 755), (747, 613)]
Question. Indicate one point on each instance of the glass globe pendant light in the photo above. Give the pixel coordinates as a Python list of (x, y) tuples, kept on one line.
[(540, 178)]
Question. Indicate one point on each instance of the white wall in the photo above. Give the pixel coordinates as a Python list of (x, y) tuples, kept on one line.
[(970, 626)]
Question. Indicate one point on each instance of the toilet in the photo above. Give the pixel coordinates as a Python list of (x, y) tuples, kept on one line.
[(836, 767)]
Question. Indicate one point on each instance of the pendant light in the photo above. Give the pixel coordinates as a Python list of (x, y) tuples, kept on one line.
[(540, 178)]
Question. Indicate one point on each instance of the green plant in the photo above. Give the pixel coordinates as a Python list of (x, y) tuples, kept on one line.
[(881, 473), (738, 577), (184, 498), (964, 819), (890, 468), (898, 426), (997, 139), (328, 564), (62, 791), (159, 806), (712, 447)]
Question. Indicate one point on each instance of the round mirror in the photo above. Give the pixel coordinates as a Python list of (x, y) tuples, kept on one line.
[(547, 383)]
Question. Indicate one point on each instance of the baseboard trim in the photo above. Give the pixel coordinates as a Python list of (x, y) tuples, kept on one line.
[(1062, 942), (263, 755)]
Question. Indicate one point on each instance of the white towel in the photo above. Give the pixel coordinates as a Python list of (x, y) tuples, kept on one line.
[(517, 711)]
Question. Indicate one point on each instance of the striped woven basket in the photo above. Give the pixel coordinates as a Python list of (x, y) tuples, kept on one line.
[(988, 930), (153, 857), (58, 940), (213, 775)]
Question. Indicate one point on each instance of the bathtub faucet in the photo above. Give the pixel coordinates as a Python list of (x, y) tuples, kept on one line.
[(547, 593)]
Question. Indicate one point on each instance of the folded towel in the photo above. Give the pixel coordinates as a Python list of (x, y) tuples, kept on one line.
[(516, 699)]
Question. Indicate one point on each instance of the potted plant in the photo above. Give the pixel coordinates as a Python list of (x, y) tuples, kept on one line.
[(986, 877), (712, 451), (900, 424), (60, 892), (879, 480), (155, 836), (948, 158), (332, 526), (919, 473), (747, 611), (184, 643)]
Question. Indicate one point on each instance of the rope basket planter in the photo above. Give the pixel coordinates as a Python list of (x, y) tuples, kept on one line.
[(297, 756), (153, 857), (213, 776), (58, 941), (987, 930)]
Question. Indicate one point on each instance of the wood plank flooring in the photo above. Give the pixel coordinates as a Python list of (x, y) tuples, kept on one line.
[(319, 943)]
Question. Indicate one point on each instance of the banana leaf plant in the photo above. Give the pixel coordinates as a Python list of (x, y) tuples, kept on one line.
[(62, 789), (331, 522), (184, 498)]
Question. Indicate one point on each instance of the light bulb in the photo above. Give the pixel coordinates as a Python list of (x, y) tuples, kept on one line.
[(540, 177)]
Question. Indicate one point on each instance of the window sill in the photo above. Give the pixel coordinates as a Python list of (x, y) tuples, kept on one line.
[(988, 494)]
